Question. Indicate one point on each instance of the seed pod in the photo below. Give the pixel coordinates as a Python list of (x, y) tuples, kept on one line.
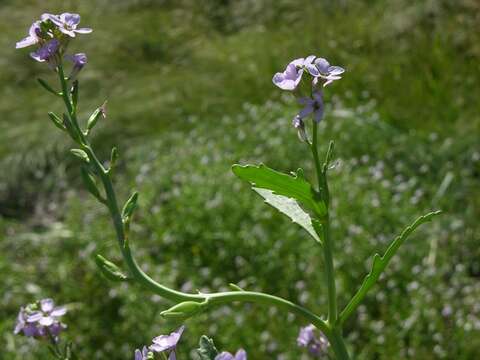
[(183, 310)]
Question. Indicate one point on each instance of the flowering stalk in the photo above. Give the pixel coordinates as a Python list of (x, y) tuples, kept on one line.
[(205, 300), (293, 195)]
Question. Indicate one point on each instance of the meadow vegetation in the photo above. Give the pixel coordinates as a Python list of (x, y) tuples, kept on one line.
[(188, 85)]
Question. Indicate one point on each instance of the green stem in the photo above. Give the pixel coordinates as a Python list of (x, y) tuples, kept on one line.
[(338, 345), (329, 275), (335, 336), (327, 242)]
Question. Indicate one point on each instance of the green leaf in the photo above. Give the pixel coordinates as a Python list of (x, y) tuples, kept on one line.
[(235, 287), (130, 206), (56, 121), (91, 184), (47, 87), (113, 157), (207, 349), (109, 270), (70, 129), (82, 155), (74, 93), (380, 263), (293, 186), (289, 207)]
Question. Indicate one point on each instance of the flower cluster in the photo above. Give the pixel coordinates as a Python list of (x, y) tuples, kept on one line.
[(51, 35), (40, 319), (317, 345), (166, 344), (319, 73)]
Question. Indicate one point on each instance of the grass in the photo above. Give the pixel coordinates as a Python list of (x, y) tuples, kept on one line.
[(190, 93)]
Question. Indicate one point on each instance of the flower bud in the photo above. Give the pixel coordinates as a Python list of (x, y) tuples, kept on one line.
[(109, 270), (183, 310), (300, 126), (129, 207)]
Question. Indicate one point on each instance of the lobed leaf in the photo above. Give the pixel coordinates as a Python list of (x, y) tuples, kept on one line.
[(291, 186), (380, 263)]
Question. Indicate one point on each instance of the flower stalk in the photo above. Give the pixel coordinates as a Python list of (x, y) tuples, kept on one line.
[(294, 196)]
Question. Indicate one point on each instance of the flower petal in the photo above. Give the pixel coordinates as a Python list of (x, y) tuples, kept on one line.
[(28, 41), (167, 342), (59, 311), (241, 355), (335, 70), (307, 110), (66, 31), (322, 65), (72, 20), (138, 355), (34, 316), (312, 69), (31, 330), (46, 321), (309, 60), (224, 355), (298, 62), (47, 305), (83, 31)]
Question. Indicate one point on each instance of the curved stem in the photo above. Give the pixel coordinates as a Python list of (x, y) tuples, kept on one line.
[(146, 281)]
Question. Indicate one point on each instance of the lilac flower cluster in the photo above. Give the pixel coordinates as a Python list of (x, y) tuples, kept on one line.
[(40, 319), (166, 344), (317, 345), (51, 34), (320, 74)]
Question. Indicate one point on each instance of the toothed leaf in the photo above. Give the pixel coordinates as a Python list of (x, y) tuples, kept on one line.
[(380, 263), (290, 208), (291, 186)]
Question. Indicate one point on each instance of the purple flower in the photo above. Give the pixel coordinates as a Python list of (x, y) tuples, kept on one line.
[(67, 23), (141, 355), (167, 342), (40, 319), (317, 346), (79, 61), (306, 335), (321, 69), (291, 77), (33, 36), (225, 355), (47, 52), (22, 325), (312, 106)]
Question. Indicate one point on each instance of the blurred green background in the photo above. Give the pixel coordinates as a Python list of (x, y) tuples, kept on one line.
[(189, 93)]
